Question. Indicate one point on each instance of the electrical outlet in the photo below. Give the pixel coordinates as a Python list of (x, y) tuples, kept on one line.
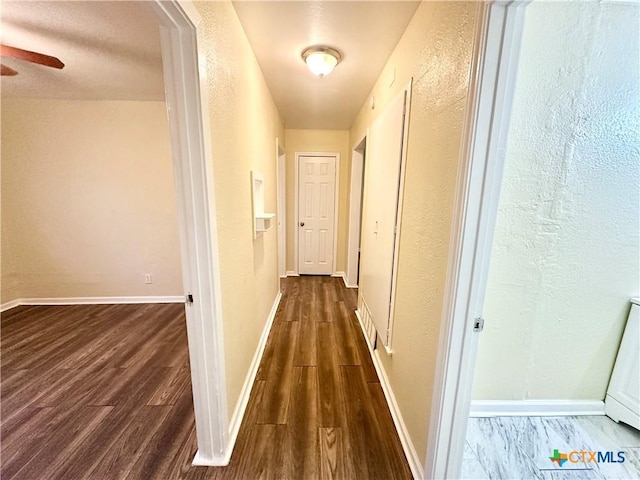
[(147, 278)]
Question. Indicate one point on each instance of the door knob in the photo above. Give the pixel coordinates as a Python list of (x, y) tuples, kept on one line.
[(302, 224)]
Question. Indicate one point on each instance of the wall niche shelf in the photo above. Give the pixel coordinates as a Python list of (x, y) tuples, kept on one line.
[(261, 221)]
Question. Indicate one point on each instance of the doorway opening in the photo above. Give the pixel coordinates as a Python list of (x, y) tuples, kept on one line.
[(282, 208), (517, 90), (557, 297), (356, 195)]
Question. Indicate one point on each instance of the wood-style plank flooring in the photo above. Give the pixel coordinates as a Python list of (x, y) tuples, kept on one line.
[(103, 392)]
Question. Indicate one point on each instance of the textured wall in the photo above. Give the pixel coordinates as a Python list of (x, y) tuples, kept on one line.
[(88, 200), (318, 141), (565, 258), (244, 127), (436, 51)]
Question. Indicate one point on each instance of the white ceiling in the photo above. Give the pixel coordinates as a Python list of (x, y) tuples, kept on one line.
[(365, 32), (111, 50)]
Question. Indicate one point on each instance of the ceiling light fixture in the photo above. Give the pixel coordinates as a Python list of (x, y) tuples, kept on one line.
[(321, 60)]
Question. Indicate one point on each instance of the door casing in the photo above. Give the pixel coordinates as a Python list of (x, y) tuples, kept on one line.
[(282, 208), (187, 101), (358, 161), (493, 75), (336, 191)]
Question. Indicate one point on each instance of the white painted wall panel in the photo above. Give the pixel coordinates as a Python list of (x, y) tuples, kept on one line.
[(382, 177)]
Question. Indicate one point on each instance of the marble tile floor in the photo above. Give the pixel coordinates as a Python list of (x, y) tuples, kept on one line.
[(510, 448)]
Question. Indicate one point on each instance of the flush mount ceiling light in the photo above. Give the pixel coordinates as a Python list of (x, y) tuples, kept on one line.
[(321, 60)]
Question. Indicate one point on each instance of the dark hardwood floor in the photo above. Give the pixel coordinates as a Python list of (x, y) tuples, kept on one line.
[(103, 392)]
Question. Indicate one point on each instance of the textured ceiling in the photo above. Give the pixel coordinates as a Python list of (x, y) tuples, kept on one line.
[(111, 50), (365, 32)]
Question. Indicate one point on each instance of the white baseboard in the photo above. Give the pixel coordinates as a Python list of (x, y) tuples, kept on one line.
[(92, 301), (344, 278), (535, 408), (9, 305), (243, 401), (403, 433), (342, 275)]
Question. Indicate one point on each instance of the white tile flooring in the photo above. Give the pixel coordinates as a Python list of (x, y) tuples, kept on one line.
[(519, 448)]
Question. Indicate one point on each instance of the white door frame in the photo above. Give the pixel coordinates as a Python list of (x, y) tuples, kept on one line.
[(281, 162), (494, 70), (187, 106), (358, 153), (296, 214)]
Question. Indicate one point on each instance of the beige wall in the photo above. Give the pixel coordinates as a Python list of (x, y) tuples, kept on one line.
[(88, 201), (318, 141), (565, 257), (436, 51), (244, 126)]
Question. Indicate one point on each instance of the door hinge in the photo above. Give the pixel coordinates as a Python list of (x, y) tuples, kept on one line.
[(478, 324), (188, 299)]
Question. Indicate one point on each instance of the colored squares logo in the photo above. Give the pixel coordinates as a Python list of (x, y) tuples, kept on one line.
[(558, 457)]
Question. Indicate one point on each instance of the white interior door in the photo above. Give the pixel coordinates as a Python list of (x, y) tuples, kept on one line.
[(316, 214), (380, 213)]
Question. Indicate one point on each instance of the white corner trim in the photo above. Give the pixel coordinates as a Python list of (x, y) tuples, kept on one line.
[(243, 401), (535, 408), (9, 305), (403, 433), (400, 202), (92, 301), (291, 273), (343, 275), (200, 460)]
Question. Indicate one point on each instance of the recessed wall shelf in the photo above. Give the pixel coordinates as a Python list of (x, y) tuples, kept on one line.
[(261, 221)]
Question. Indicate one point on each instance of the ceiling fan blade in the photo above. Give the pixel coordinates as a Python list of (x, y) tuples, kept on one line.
[(8, 71), (33, 57)]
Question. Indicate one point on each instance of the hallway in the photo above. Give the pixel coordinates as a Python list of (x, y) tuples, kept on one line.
[(102, 392), (317, 409)]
